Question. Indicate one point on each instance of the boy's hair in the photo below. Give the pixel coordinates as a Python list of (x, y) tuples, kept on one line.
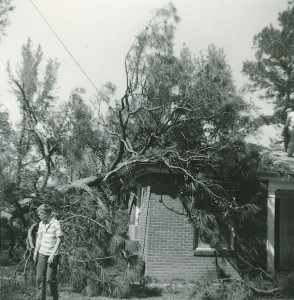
[(46, 208)]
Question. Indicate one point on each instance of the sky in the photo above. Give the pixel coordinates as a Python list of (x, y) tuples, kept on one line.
[(99, 33)]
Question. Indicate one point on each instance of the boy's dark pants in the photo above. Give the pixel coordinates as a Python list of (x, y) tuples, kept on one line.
[(47, 275)]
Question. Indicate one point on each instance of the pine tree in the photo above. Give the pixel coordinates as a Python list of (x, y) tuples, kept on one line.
[(273, 70)]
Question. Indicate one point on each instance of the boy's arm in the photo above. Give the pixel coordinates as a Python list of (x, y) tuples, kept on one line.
[(38, 245)]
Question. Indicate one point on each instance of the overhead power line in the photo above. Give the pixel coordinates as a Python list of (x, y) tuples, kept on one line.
[(59, 39)]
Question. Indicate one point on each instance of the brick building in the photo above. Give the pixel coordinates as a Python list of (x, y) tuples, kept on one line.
[(168, 242)]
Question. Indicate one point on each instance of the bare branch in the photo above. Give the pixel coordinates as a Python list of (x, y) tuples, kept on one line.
[(145, 108), (205, 185), (171, 209), (123, 165)]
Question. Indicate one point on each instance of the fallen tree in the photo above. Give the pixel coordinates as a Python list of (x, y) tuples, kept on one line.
[(183, 113)]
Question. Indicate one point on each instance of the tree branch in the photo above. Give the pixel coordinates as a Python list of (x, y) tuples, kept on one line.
[(87, 218)]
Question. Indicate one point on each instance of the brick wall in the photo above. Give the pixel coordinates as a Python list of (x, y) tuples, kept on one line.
[(166, 238)]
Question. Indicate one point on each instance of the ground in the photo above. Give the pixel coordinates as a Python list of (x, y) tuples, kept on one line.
[(21, 289)]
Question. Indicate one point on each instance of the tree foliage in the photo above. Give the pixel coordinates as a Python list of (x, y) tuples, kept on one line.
[(37, 138), (5, 8), (6, 155), (183, 113), (273, 70), (97, 256)]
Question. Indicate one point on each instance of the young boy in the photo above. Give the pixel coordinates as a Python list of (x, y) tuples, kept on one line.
[(49, 238)]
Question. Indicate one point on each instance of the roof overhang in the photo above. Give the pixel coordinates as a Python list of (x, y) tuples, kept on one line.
[(277, 180), (141, 169)]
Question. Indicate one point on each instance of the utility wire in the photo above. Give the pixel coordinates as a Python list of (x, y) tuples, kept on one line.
[(43, 17)]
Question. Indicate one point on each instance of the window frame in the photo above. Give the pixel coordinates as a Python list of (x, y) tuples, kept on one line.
[(204, 249)]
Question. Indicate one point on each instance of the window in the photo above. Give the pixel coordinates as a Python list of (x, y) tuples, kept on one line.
[(134, 207), (225, 243), (134, 232)]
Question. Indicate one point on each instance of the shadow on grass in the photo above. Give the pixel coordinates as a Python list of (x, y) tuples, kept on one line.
[(143, 291)]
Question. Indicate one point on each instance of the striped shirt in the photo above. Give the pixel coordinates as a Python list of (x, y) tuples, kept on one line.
[(49, 233)]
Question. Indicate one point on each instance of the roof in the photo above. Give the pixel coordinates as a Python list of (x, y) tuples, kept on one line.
[(276, 163), (138, 170)]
